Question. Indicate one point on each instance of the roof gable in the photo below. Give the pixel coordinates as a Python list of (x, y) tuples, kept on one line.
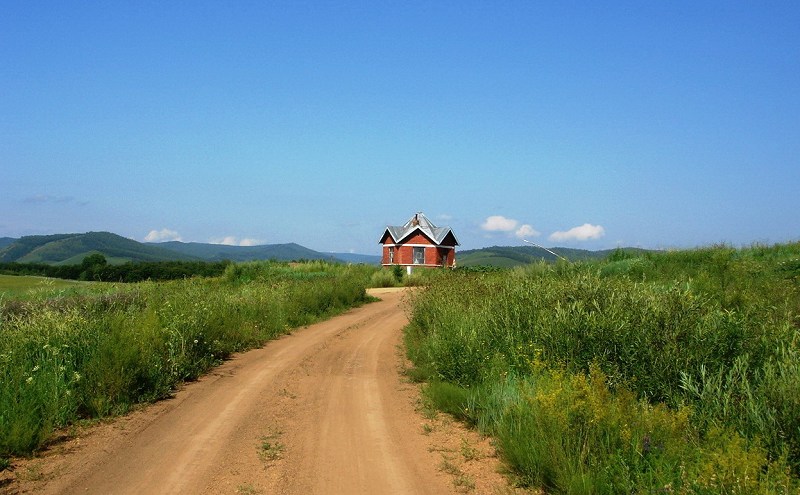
[(419, 222)]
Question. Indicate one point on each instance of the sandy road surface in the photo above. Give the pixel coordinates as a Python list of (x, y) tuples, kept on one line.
[(324, 410)]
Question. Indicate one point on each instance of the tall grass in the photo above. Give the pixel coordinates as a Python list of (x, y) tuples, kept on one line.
[(697, 351), (97, 354)]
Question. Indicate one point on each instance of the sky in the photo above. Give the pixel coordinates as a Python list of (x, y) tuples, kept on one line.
[(579, 124)]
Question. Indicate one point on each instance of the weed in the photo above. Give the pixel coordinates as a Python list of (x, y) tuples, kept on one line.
[(270, 450), (425, 407), (460, 479), (464, 482), (448, 467), (247, 489), (32, 472), (469, 452)]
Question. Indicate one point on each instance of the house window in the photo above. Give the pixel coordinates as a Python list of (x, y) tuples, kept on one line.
[(391, 254), (419, 255)]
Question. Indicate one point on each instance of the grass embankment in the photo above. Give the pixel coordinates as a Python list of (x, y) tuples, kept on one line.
[(670, 372), (66, 356)]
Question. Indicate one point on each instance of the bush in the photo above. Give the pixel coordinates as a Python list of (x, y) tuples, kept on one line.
[(383, 278)]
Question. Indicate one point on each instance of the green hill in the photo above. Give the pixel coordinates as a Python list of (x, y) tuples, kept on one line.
[(69, 249), (511, 256), (24, 245), (5, 241), (72, 248), (219, 252)]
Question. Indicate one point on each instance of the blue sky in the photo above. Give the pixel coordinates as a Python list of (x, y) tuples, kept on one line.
[(579, 124)]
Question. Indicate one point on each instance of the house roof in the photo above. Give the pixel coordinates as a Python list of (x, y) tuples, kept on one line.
[(419, 222)]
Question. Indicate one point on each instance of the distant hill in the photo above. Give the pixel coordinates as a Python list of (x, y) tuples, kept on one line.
[(219, 252), (68, 249), (72, 248), (511, 256)]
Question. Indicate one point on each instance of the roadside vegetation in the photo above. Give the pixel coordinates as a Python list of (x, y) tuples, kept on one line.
[(92, 350), (658, 372), (396, 276)]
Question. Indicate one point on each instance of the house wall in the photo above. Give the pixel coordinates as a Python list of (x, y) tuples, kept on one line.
[(385, 255), (432, 256), (404, 255)]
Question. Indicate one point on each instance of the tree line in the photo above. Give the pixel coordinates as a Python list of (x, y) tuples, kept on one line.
[(95, 267)]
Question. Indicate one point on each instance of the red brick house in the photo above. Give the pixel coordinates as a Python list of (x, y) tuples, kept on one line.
[(419, 243)]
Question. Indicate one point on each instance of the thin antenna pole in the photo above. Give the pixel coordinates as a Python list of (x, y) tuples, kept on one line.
[(542, 247)]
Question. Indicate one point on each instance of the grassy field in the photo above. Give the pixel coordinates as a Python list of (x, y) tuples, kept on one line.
[(94, 352), (12, 286), (665, 372)]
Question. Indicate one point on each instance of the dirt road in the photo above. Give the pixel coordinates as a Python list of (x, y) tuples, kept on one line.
[(324, 410)]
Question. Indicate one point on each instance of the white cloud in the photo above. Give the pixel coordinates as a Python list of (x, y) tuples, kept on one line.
[(526, 231), (582, 233), (228, 241), (235, 241), (162, 235), (499, 223)]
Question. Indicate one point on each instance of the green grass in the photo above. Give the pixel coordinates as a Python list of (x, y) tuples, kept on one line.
[(489, 259), (385, 278), (67, 355), (16, 286), (650, 371)]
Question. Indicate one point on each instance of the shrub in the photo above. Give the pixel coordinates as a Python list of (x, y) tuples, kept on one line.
[(383, 278)]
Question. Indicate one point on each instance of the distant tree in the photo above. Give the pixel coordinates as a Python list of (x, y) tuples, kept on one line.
[(91, 266), (96, 267), (93, 260)]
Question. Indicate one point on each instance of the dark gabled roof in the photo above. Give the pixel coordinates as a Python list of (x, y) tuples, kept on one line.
[(419, 222)]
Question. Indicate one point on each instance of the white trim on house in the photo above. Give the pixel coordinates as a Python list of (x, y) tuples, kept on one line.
[(421, 245)]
